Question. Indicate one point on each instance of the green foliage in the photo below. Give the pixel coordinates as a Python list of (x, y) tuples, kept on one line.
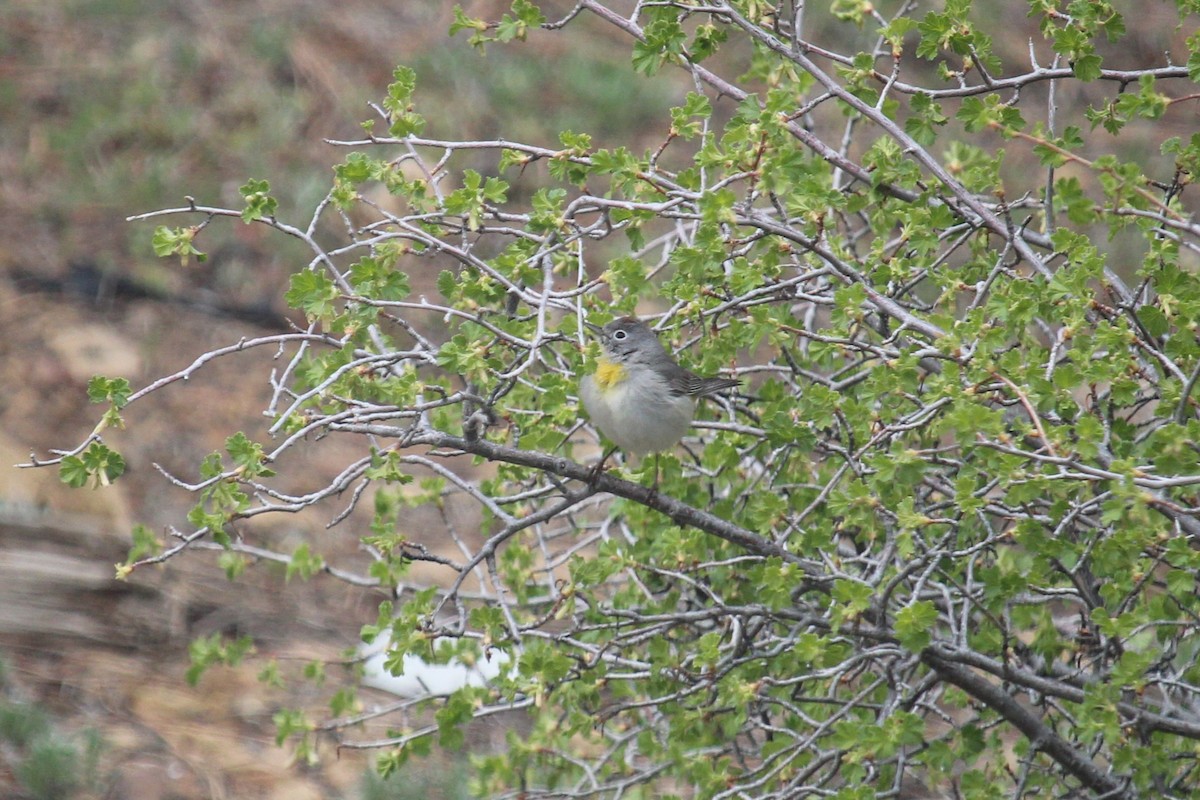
[(511, 27), (97, 466), (22, 724), (50, 770), (293, 725), (177, 242), (46, 763), (959, 481), (314, 294), (111, 390), (145, 543), (663, 40), (398, 104), (469, 201), (259, 203), (215, 650), (304, 563)]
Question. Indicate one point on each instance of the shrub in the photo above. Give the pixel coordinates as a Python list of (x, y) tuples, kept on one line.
[(945, 537)]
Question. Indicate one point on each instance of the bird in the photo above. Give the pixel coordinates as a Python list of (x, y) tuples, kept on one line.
[(638, 396)]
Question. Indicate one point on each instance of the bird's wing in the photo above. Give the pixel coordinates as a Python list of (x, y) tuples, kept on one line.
[(691, 384)]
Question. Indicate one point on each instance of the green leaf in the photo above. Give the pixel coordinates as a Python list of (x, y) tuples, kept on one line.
[(232, 564), (359, 167), (914, 623), (926, 119), (705, 41), (687, 120), (464, 23), (854, 597), (1087, 67), (856, 11), (314, 294), (177, 242), (447, 284), (981, 113), (516, 26), (663, 39), (145, 543), (97, 465), (259, 203), (403, 120), (304, 563), (216, 650), (452, 716), (290, 723), (109, 390), (469, 201), (248, 456)]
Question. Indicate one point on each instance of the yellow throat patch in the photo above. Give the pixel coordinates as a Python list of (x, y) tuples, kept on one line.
[(608, 373)]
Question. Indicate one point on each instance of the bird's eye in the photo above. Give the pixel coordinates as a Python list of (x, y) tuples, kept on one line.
[(619, 335)]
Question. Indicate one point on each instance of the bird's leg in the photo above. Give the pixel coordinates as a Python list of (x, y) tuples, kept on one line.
[(599, 468)]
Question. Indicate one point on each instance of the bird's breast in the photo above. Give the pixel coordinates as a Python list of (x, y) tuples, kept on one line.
[(608, 374)]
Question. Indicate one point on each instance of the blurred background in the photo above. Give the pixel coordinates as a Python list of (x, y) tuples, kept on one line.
[(110, 108)]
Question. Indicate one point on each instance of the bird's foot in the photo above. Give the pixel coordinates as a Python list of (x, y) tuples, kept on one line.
[(596, 471)]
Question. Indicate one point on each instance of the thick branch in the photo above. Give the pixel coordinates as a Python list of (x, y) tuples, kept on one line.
[(1028, 723), (1147, 721), (680, 513)]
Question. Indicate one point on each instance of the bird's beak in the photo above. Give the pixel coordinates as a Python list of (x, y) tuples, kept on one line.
[(595, 330)]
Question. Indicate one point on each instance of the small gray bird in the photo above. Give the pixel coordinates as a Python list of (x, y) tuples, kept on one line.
[(638, 396)]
